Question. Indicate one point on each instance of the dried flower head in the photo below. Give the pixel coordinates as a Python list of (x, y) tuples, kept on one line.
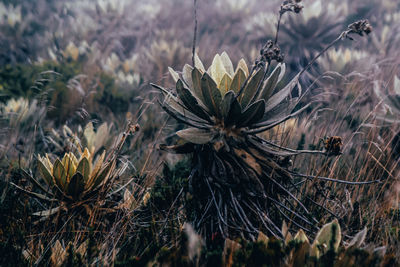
[(359, 27), (270, 52), (291, 6), (333, 145)]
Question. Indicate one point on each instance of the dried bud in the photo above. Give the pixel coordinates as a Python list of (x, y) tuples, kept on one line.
[(360, 27), (333, 145), (297, 8), (271, 52)]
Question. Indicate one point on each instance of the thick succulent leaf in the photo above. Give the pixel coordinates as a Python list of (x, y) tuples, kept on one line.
[(243, 66), (234, 113), (226, 61), (187, 75), (251, 88), (252, 114), (270, 84), (238, 80), (225, 84), (217, 69), (211, 94), (198, 64), (278, 97), (103, 175), (48, 178), (174, 74), (59, 174), (269, 124), (84, 169), (196, 136), (76, 185), (184, 118), (69, 165), (226, 104), (196, 80), (181, 109), (329, 236), (190, 101)]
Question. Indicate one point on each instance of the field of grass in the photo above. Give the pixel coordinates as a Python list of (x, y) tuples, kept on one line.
[(199, 133)]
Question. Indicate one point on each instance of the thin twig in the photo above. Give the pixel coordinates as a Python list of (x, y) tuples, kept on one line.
[(194, 31)]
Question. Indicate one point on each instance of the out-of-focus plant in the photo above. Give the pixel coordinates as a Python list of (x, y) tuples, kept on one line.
[(343, 60), (326, 250), (305, 35), (164, 53), (19, 111)]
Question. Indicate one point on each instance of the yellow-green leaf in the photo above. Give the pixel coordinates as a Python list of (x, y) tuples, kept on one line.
[(251, 88), (225, 84), (45, 172), (211, 94), (243, 66), (328, 238), (84, 169), (59, 174), (238, 80)]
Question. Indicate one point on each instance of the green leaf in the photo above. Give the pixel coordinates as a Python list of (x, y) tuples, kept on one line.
[(252, 114), (238, 80), (226, 104), (251, 88), (225, 84), (76, 185), (196, 80), (190, 101), (103, 175), (234, 113), (270, 84), (48, 178), (196, 136), (84, 168), (211, 94), (187, 75), (278, 97), (68, 165), (329, 236), (60, 175)]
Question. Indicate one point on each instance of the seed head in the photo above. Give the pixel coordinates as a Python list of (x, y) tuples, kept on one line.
[(333, 145)]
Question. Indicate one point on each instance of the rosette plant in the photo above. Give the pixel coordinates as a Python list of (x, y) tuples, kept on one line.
[(76, 181), (240, 182)]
